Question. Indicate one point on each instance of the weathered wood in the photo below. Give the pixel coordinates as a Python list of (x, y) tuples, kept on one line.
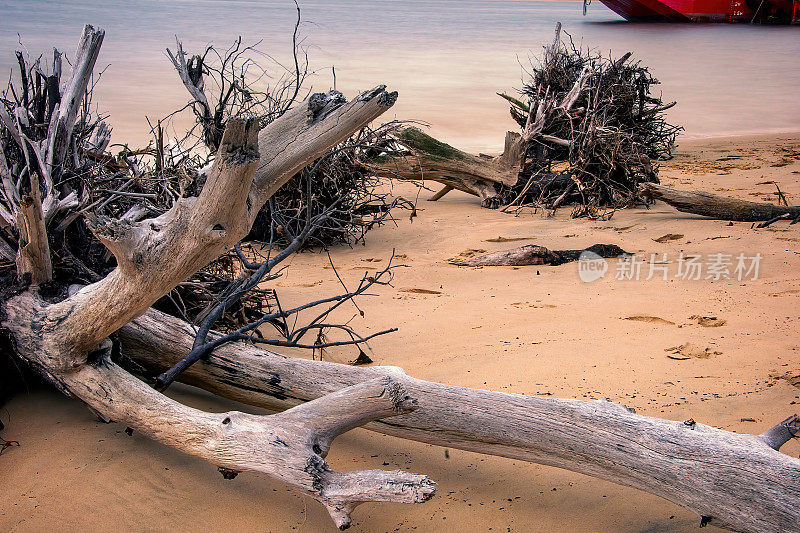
[(290, 446), (192, 80), (715, 206), (67, 341), (431, 159), (443, 158), (64, 118), (307, 131), (512, 150), (7, 252), (531, 254), (33, 255), (156, 254), (539, 116), (438, 161), (444, 190), (736, 480)]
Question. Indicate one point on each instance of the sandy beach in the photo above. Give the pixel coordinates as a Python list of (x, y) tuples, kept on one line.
[(718, 351)]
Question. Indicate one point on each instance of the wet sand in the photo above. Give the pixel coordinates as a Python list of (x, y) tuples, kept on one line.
[(678, 349)]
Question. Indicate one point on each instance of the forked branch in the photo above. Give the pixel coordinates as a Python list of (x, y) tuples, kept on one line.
[(738, 481), (290, 446), (66, 340)]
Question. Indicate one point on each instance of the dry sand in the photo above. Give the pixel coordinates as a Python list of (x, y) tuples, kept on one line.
[(529, 330)]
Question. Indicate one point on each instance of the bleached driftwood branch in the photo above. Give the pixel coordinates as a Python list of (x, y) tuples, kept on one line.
[(715, 206), (735, 481), (67, 340), (290, 446), (63, 120), (431, 159), (33, 255)]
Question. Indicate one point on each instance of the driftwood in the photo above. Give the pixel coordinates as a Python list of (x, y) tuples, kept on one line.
[(342, 185), (87, 341), (431, 159), (65, 337), (715, 206), (222, 85), (594, 118), (153, 256), (590, 132), (41, 202), (531, 254), (736, 481)]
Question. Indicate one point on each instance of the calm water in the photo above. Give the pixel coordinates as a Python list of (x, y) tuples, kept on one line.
[(447, 57)]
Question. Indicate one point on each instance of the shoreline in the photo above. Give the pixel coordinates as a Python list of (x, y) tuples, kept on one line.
[(770, 135)]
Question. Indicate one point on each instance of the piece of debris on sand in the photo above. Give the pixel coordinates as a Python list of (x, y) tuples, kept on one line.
[(362, 359), (508, 239), (690, 351), (421, 291), (531, 254)]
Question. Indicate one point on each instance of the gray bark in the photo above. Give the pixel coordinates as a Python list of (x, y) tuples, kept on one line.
[(715, 206), (737, 481)]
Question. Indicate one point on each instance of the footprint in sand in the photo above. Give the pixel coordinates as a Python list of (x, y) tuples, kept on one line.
[(708, 321), (508, 239), (307, 285), (535, 305), (650, 319), (466, 254), (786, 292), (689, 351), (669, 237), (792, 376)]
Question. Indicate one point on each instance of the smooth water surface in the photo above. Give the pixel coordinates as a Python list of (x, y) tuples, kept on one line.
[(447, 58)]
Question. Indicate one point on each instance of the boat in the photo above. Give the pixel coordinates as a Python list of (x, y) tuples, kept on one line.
[(730, 11)]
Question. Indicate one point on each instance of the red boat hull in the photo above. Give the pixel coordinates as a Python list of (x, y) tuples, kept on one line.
[(704, 10)]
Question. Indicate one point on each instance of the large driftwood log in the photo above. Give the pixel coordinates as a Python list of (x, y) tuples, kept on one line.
[(736, 481), (66, 338), (290, 446), (715, 206)]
